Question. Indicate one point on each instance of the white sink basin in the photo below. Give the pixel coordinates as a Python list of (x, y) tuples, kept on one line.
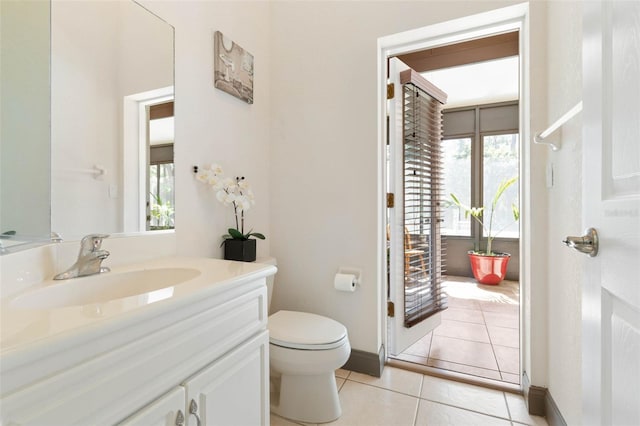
[(102, 287)]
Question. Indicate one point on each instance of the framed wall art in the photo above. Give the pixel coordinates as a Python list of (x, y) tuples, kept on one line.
[(232, 68)]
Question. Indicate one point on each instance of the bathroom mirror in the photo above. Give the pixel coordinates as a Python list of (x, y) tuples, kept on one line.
[(111, 119), (87, 120), (24, 123)]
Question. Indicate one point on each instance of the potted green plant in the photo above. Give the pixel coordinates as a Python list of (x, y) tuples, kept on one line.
[(162, 212), (489, 267), (235, 192)]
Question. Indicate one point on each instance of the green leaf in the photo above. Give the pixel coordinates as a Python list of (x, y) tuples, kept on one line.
[(257, 235), (466, 209), (516, 211), (504, 185), (476, 211), (236, 235)]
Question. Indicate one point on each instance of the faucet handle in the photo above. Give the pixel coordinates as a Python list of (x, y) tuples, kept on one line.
[(92, 242)]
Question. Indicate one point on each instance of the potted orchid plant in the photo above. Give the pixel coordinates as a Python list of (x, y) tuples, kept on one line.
[(234, 192), (489, 267)]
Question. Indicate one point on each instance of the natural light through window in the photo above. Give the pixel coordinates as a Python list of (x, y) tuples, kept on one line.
[(500, 162), (478, 83), (457, 180), (161, 130)]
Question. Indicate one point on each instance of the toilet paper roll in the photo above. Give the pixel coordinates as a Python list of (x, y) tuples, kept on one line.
[(345, 282)]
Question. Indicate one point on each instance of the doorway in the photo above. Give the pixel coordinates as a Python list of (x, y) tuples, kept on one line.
[(160, 203), (147, 150), (505, 297)]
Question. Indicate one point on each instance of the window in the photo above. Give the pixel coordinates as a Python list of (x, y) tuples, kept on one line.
[(161, 184), (457, 180), (480, 150), (500, 162)]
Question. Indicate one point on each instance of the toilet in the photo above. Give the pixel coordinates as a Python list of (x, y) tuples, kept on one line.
[(304, 351)]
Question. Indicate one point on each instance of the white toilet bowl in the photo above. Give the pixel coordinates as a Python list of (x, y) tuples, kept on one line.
[(304, 352)]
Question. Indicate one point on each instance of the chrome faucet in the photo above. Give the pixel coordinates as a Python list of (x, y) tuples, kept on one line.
[(89, 259)]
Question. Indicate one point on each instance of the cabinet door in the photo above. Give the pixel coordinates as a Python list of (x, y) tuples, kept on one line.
[(168, 410), (234, 390)]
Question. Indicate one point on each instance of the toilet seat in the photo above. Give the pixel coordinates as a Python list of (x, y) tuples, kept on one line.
[(305, 331)]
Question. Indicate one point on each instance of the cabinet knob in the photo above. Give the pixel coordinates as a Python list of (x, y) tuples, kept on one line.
[(179, 418), (193, 410)]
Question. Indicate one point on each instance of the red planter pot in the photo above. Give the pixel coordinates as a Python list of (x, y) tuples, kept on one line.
[(489, 269)]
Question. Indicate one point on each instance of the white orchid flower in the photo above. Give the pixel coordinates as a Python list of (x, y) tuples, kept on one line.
[(214, 180), (243, 203), (225, 197), (218, 184), (230, 191), (243, 185), (229, 184), (216, 169), (203, 175)]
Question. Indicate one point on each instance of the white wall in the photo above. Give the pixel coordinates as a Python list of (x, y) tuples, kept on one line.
[(213, 126), (564, 89), (534, 252), (324, 147)]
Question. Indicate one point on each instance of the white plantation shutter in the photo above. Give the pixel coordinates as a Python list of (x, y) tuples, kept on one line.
[(423, 197)]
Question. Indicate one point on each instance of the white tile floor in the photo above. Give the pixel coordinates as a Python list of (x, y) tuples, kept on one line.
[(402, 398), (479, 334)]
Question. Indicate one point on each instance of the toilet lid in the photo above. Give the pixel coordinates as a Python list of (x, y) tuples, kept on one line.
[(302, 330)]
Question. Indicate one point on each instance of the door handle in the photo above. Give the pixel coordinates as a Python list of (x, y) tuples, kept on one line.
[(587, 244), (193, 409)]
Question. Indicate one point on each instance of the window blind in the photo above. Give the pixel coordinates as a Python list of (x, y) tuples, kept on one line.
[(423, 196)]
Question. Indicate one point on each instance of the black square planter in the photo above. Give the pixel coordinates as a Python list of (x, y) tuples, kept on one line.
[(243, 250)]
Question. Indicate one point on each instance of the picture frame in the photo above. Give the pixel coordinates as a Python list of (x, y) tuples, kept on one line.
[(232, 68)]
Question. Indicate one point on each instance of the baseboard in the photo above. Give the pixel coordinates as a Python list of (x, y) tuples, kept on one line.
[(536, 401), (541, 403), (553, 415), (366, 362)]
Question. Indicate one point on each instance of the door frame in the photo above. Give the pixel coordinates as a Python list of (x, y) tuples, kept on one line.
[(135, 155), (439, 34)]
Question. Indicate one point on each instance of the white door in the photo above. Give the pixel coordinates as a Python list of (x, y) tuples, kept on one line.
[(611, 203), (399, 336)]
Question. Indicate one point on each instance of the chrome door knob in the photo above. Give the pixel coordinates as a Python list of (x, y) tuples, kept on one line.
[(587, 244)]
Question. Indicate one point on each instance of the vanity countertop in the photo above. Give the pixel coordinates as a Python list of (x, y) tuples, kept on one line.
[(29, 333)]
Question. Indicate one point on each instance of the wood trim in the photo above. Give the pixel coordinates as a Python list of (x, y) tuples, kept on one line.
[(411, 76), (162, 110), (533, 396), (467, 52), (536, 400), (366, 362), (540, 403)]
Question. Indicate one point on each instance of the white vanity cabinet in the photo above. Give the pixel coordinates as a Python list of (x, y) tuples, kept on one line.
[(234, 390), (231, 391), (168, 410), (146, 367)]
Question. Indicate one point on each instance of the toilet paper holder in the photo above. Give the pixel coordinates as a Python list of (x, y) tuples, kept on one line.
[(351, 271)]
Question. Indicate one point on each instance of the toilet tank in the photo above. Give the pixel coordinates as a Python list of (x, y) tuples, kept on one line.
[(270, 279)]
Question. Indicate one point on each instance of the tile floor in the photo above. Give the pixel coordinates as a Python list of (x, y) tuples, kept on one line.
[(479, 334), (403, 397)]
